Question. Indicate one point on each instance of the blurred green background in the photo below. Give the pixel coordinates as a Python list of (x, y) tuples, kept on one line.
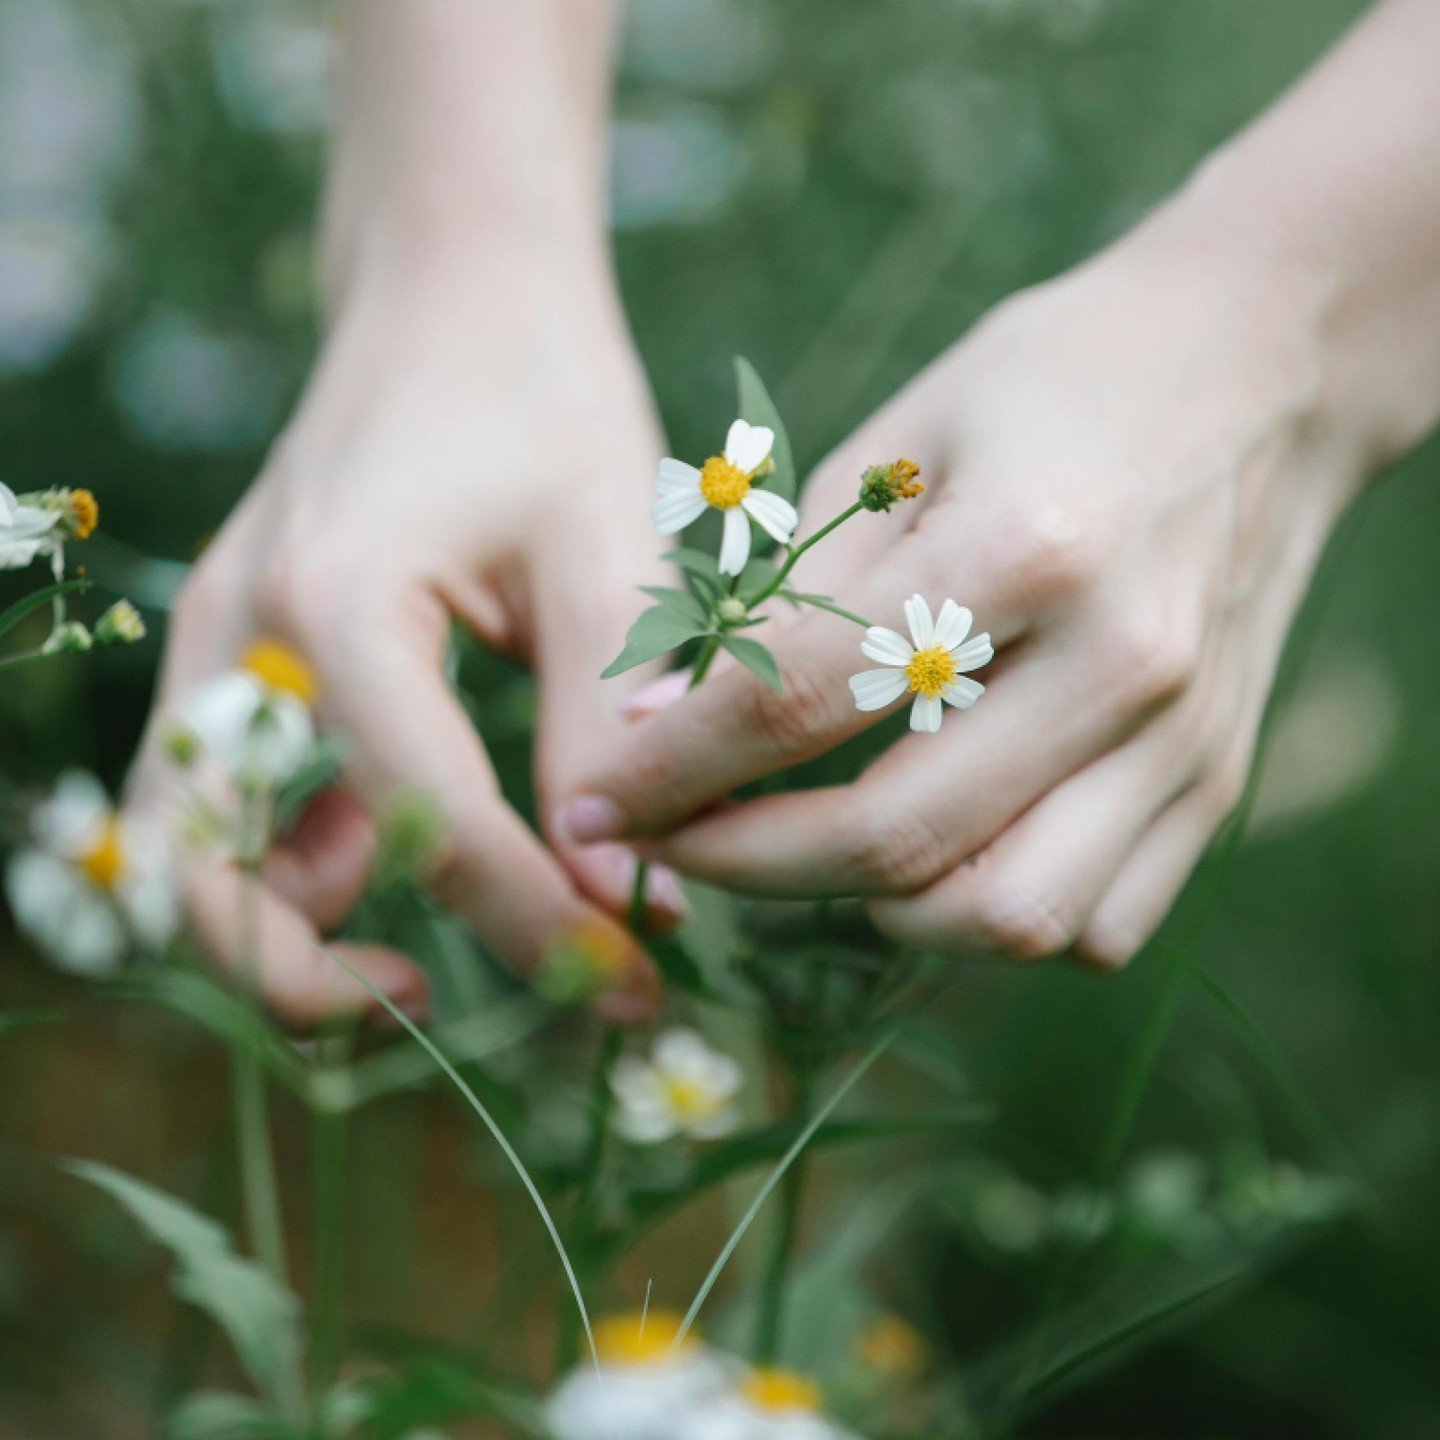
[(836, 191)]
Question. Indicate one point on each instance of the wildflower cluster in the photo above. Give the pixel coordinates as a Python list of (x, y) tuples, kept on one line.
[(752, 482)]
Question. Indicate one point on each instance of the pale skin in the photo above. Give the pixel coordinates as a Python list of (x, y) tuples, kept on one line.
[(1132, 471)]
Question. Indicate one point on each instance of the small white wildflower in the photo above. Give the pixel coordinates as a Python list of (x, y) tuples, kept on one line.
[(645, 1386), (92, 879), (932, 668), (121, 624), (685, 1088), (255, 721), (26, 531), (768, 1405), (726, 483)]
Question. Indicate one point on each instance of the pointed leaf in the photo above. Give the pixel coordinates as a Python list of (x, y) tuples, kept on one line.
[(680, 603), (14, 614), (261, 1320), (758, 408), (756, 659), (658, 631)]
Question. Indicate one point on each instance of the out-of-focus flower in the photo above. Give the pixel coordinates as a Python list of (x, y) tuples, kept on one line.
[(882, 486), (932, 668), (121, 624), (26, 531), (685, 1088), (69, 637), (255, 721), (768, 1405), (184, 387), (726, 483), (586, 961), (92, 880), (646, 1383), (892, 1347)]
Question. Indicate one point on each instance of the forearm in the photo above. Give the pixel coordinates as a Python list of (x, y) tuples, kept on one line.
[(466, 122), (1325, 216)]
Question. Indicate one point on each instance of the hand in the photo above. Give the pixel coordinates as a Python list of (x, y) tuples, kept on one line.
[(1131, 474), (468, 452)]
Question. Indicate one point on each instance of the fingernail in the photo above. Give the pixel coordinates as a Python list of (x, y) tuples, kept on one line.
[(663, 890), (588, 818), (656, 695)]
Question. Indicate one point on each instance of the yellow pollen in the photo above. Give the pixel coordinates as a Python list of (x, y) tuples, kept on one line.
[(279, 667), (639, 1339), (781, 1390), (931, 671), (688, 1100), (603, 949), (104, 862), (722, 484), (84, 513), (905, 478)]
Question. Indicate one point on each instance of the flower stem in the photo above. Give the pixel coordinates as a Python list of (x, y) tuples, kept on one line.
[(329, 1128), (796, 551)]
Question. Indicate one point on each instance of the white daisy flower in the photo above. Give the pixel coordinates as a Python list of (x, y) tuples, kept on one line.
[(685, 1088), (26, 531), (769, 1405), (931, 665), (726, 483), (255, 721), (645, 1385), (93, 880)]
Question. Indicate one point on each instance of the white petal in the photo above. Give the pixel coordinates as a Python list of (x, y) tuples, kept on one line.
[(74, 816), (681, 1051), (774, 514), (747, 446), (886, 647), (963, 693), (645, 1127), (922, 627), (875, 689), (672, 513), (974, 653), (724, 1121), (735, 547), (676, 475), (952, 625), (29, 522), (925, 714), (7, 504)]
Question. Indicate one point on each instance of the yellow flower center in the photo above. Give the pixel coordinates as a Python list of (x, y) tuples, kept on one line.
[(687, 1100), (781, 1390), (640, 1339), (892, 1346), (931, 671), (104, 862), (279, 667), (84, 513), (722, 484), (603, 950)]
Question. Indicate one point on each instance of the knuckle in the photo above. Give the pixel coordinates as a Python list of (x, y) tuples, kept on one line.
[(1153, 661), (903, 853), (299, 599), (1106, 949), (1015, 920), (799, 719), (1055, 551)]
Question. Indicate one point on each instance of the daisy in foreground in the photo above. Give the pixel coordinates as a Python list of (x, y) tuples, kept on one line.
[(685, 1088), (768, 1405), (931, 665), (726, 483), (92, 880)]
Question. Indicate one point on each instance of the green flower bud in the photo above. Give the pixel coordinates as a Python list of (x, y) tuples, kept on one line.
[(881, 486), (732, 611), (121, 624), (68, 638)]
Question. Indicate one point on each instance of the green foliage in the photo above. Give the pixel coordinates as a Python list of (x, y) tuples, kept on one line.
[(261, 1321), (660, 629), (755, 658), (758, 408)]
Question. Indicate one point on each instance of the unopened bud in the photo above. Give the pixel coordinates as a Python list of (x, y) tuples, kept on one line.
[(121, 624), (732, 611), (882, 486), (68, 638)]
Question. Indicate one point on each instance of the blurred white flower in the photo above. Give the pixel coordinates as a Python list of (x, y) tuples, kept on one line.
[(932, 668), (645, 1386), (93, 880), (274, 67), (769, 1405), (187, 388), (685, 1088), (26, 531), (52, 263), (255, 721), (726, 483)]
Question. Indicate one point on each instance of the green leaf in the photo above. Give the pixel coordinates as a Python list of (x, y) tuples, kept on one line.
[(12, 616), (824, 602), (320, 769), (221, 1415), (697, 563), (260, 1318), (758, 408), (678, 602), (756, 659), (659, 630)]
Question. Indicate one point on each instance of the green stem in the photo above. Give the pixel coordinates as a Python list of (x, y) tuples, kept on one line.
[(796, 551), (329, 1128)]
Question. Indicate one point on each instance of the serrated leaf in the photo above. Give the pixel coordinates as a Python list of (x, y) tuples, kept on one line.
[(259, 1317), (659, 630), (758, 408), (756, 659)]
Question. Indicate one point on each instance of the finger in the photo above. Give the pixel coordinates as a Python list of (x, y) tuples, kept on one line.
[(1152, 879), (321, 865), (733, 728), (494, 871), (1029, 893), (581, 619), (267, 942), (931, 801)]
